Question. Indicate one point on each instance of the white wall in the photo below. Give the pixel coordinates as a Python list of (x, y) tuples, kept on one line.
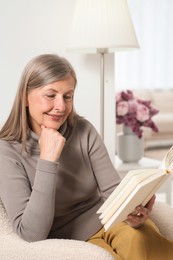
[(29, 28), (151, 66)]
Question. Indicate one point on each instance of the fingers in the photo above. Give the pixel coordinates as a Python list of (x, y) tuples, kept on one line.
[(138, 217), (51, 144), (135, 220), (42, 128), (150, 204), (142, 213)]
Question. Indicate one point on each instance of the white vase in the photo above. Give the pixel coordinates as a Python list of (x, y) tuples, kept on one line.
[(130, 148)]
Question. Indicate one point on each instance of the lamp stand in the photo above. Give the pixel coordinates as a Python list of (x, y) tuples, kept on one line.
[(102, 93), (107, 101)]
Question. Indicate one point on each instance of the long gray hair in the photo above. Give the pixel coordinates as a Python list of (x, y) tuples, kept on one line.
[(41, 70)]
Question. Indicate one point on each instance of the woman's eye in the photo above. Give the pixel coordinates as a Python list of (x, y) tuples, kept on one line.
[(68, 97), (51, 96)]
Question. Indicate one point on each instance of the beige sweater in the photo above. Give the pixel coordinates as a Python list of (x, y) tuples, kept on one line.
[(57, 200)]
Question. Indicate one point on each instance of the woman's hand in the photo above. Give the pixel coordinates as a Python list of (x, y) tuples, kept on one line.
[(51, 144), (140, 215)]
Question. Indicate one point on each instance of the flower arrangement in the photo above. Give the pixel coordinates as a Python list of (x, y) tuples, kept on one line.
[(134, 112)]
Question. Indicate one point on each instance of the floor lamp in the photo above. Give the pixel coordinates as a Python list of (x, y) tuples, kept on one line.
[(101, 26)]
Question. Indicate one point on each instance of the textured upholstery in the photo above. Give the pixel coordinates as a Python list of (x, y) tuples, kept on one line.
[(14, 248)]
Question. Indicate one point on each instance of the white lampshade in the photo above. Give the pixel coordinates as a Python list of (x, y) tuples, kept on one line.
[(102, 26)]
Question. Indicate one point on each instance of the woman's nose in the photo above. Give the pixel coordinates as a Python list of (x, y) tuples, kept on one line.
[(59, 104)]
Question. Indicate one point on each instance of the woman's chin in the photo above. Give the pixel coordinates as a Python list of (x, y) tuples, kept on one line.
[(54, 126)]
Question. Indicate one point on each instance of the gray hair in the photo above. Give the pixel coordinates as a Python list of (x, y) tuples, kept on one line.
[(40, 71)]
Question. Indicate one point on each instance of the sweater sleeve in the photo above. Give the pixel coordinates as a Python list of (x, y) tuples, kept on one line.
[(104, 171), (106, 175), (30, 209)]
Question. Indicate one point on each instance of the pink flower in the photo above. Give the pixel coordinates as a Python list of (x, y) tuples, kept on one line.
[(133, 105), (118, 97), (142, 113), (134, 112), (122, 108)]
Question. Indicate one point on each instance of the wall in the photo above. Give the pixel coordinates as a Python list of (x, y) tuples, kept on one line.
[(29, 28), (151, 65)]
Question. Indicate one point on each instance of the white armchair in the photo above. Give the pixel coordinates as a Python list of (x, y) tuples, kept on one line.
[(14, 248)]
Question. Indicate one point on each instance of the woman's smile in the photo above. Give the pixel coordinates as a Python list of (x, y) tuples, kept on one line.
[(55, 117)]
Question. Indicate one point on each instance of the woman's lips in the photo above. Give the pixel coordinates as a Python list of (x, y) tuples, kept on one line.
[(55, 117)]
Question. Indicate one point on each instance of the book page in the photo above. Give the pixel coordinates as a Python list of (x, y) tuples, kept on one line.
[(136, 177), (167, 163), (155, 174), (137, 197), (142, 173), (137, 187)]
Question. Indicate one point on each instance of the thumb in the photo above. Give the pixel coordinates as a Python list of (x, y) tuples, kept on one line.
[(43, 127), (150, 204)]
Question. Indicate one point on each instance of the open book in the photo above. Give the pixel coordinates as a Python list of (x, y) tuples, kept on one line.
[(137, 188)]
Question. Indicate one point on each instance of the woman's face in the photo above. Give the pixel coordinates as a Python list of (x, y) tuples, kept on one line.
[(50, 105)]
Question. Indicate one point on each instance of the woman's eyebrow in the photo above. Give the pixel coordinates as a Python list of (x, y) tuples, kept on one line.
[(57, 91)]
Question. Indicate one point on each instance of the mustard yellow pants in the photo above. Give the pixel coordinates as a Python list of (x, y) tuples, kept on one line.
[(127, 243)]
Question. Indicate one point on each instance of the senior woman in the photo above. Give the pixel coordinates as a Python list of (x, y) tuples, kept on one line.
[(56, 172)]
